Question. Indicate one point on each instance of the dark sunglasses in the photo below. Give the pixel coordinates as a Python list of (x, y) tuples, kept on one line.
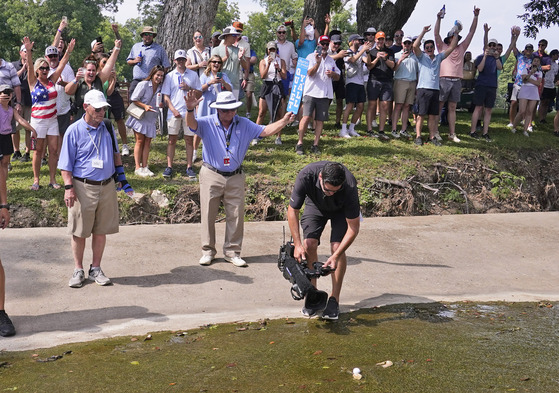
[(324, 43), (44, 68), (492, 45), (216, 62), (6, 92), (227, 110), (52, 56), (282, 32), (103, 109), (366, 34), (398, 35), (150, 34), (429, 47)]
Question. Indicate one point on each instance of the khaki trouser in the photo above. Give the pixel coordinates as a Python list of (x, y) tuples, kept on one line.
[(215, 188)]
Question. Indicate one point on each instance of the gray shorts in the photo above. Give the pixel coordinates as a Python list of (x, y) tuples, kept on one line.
[(450, 89), (319, 105), (379, 90)]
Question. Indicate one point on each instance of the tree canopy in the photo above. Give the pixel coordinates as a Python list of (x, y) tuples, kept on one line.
[(539, 14)]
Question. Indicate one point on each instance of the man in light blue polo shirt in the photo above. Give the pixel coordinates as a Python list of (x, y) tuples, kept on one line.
[(429, 66), (144, 56), (405, 83), (90, 163), (175, 86), (226, 138)]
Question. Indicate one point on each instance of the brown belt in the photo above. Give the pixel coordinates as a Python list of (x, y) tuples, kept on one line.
[(226, 174)]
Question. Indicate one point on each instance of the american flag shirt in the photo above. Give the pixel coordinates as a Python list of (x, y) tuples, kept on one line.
[(44, 101)]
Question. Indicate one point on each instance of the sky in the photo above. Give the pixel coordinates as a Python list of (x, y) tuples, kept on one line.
[(499, 15)]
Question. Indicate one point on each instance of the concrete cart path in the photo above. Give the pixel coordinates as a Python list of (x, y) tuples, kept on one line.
[(159, 285)]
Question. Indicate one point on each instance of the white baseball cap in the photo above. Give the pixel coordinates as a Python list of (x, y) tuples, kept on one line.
[(180, 54), (96, 99)]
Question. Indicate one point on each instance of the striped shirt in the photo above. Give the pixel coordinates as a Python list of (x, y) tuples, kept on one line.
[(44, 101)]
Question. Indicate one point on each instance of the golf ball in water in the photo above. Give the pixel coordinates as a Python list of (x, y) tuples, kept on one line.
[(356, 370)]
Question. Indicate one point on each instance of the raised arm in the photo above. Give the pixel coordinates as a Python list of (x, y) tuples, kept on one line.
[(473, 28), (416, 44), (452, 46), (437, 31), (512, 45), (56, 74), (58, 35), (106, 71), (486, 29), (31, 76)]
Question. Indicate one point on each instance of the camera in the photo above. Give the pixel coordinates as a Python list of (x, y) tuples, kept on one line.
[(288, 22), (299, 275)]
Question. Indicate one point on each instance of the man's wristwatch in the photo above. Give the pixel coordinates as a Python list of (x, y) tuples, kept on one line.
[(189, 110), (5, 206), (68, 186)]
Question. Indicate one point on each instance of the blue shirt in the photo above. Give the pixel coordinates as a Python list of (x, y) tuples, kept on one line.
[(241, 132), (429, 71), (171, 88), (487, 77), (152, 55), (81, 145), (306, 49), (408, 67)]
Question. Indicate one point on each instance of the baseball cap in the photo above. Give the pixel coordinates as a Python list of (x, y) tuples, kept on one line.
[(216, 34), (22, 49), (281, 28), (271, 44), (324, 38), (493, 41), (180, 54), (96, 99), (51, 50), (380, 34), (336, 39), (406, 39), (6, 87), (529, 46), (238, 26), (244, 38), (354, 37), (370, 30)]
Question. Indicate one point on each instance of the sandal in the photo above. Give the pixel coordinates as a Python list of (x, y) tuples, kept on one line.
[(56, 186), (35, 187)]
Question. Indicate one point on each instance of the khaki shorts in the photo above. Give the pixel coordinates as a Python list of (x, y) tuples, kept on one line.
[(404, 91), (250, 83), (95, 210), (176, 124)]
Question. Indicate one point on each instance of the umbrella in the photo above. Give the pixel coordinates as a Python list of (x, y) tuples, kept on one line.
[(273, 100)]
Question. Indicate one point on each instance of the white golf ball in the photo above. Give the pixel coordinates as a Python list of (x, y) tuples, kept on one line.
[(356, 370)]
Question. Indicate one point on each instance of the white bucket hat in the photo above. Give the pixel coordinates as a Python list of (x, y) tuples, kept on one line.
[(225, 100)]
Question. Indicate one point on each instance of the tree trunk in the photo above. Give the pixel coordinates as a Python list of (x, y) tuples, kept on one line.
[(386, 15), (317, 9), (180, 19)]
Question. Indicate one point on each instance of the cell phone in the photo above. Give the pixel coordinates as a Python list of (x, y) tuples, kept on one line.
[(99, 40), (219, 74), (318, 50)]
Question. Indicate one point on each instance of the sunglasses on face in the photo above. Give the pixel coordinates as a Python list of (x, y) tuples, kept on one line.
[(281, 32), (7, 92), (366, 34), (324, 43), (227, 110), (216, 62), (429, 47), (398, 35), (542, 44), (492, 45), (100, 109), (198, 37), (148, 34), (44, 68), (52, 56), (328, 190)]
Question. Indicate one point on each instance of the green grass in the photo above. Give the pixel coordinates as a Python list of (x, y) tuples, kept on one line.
[(267, 164), (461, 347)]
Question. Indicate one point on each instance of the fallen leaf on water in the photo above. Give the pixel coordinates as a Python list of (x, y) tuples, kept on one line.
[(385, 364)]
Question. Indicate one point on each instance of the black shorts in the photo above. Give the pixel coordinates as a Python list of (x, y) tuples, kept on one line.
[(117, 105), (267, 89), (63, 123), (314, 221), (548, 94), (485, 96), (339, 89), (427, 101), (381, 90), (355, 93), (6, 145)]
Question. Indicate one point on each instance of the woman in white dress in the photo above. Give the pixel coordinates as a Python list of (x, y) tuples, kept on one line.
[(529, 95)]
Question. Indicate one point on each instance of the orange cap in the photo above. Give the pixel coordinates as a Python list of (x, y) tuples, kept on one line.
[(380, 34)]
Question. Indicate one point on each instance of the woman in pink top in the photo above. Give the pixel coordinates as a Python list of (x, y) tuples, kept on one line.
[(43, 110)]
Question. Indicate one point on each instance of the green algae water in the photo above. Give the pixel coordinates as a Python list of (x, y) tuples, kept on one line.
[(458, 347)]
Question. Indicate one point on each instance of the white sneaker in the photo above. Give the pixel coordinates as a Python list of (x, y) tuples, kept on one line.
[(353, 132), (438, 137), (525, 133), (374, 124), (453, 138), (140, 172), (254, 142), (510, 125), (395, 134), (278, 140), (125, 150), (295, 123), (530, 129), (344, 134), (194, 155), (147, 172), (513, 130), (237, 261), (206, 260)]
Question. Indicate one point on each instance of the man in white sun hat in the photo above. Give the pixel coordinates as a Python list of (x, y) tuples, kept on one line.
[(226, 137)]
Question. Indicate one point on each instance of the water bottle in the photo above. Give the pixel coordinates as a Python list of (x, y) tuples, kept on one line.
[(140, 56), (443, 10), (158, 100)]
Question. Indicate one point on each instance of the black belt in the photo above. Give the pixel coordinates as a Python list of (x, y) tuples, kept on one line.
[(226, 174), (94, 182)]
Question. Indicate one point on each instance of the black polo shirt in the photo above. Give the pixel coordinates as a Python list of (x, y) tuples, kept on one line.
[(381, 72), (307, 190)]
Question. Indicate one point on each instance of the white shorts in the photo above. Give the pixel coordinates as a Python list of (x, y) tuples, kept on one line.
[(45, 127), (514, 94), (174, 125)]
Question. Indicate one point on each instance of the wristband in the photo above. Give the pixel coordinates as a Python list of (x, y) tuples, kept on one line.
[(68, 186), (60, 31), (116, 48), (119, 175), (6, 206), (125, 186), (189, 110)]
